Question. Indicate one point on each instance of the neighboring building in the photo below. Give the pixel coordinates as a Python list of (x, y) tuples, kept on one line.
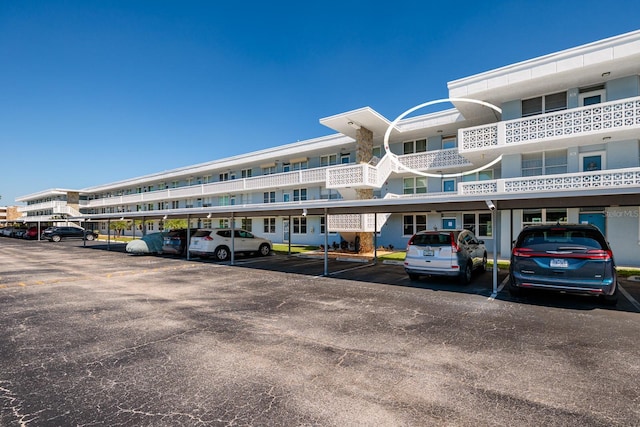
[(566, 149), (10, 214)]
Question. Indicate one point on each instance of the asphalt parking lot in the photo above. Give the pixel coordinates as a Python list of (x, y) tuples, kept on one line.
[(96, 337)]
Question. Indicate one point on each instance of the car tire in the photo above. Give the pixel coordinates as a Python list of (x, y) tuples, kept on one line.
[(413, 276), (90, 237), (610, 300), (55, 238), (264, 249), (465, 275), (514, 291), (222, 253), (483, 267)]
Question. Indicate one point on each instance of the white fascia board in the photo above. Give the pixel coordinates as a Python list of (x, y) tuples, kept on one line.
[(604, 51), (46, 193), (253, 158), (431, 120)]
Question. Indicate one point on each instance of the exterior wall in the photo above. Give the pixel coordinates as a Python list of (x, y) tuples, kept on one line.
[(624, 87), (623, 233)]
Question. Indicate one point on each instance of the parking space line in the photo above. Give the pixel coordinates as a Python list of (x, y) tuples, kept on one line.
[(333, 273), (500, 288), (628, 296)]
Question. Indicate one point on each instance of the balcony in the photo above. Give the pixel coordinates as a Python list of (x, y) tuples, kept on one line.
[(598, 119), (605, 180), (263, 182), (57, 206), (350, 223), (368, 176)]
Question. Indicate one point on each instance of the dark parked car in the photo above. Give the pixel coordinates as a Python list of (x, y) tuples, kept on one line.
[(175, 242), (55, 234), (453, 253), (568, 258)]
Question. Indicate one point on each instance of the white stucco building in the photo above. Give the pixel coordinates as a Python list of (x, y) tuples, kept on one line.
[(565, 148)]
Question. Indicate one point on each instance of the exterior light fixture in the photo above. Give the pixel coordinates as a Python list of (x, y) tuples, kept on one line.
[(304, 212), (606, 74), (353, 124), (209, 215)]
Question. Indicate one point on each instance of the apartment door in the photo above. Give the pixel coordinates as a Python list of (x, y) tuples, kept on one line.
[(595, 218), (590, 162), (285, 231)]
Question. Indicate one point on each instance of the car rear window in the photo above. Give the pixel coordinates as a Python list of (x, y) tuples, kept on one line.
[(432, 239), (202, 233), (561, 239)]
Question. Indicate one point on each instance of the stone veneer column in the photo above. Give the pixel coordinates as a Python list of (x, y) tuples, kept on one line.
[(364, 153)]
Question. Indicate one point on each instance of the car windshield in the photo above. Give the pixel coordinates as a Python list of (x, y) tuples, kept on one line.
[(432, 239), (561, 239)]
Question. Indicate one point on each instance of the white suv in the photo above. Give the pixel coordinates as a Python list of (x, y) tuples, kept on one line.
[(207, 243)]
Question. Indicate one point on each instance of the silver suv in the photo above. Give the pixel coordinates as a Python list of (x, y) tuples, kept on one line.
[(453, 253)]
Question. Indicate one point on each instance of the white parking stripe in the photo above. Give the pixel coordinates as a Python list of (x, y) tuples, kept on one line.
[(628, 296), (500, 288)]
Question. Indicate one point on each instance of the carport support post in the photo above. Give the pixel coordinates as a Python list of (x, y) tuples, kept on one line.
[(188, 234), (84, 233), (39, 230), (233, 238), (375, 238), (326, 243), (289, 236), (495, 251), (108, 234)]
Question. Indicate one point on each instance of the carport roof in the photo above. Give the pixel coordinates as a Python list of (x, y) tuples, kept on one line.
[(440, 203)]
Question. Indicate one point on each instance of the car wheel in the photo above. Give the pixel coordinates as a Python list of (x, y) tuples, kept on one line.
[(465, 277), (264, 249), (89, 237), (514, 291), (610, 300), (414, 276), (55, 238), (221, 253), (483, 267)]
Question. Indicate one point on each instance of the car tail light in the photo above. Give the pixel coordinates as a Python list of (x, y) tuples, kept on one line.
[(454, 246), (523, 252), (599, 254), (207, 238)]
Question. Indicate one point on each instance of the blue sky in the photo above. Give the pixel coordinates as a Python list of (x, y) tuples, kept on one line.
[(99, 91)]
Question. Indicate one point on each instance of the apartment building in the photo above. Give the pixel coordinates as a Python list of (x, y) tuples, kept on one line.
[(564, 148)]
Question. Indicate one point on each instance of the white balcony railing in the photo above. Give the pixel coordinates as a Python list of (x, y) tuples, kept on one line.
[(594, 119), (366, 175), (607, 179), (286, 179), (57, 206), (348, 223)]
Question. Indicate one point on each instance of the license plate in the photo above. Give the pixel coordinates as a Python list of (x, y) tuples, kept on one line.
[(559, 263), (427, 252)]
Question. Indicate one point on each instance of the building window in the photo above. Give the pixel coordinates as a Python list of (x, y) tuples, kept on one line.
[(223, 223), (206, 223), (469, 222), (418, 146), (345, 159), (546, 163), (544, 216), (449, 142), (189, 203), (377, 151), (485, 225), (413, 223), (300, 225), (544, 104), (300, 165), (247, 224), (299, 194), (269, 170), (175, 204), (270, 225), (484, 175), (245, 173), (286, 167), (269, 196), (449, 185), (415, 185), (206, 179), (223, 176), (328, 160)]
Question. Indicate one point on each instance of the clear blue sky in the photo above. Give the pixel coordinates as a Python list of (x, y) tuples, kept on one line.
[(99, 91)]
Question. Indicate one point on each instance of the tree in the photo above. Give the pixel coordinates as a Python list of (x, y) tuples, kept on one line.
[(119, 226), (173, 224)]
